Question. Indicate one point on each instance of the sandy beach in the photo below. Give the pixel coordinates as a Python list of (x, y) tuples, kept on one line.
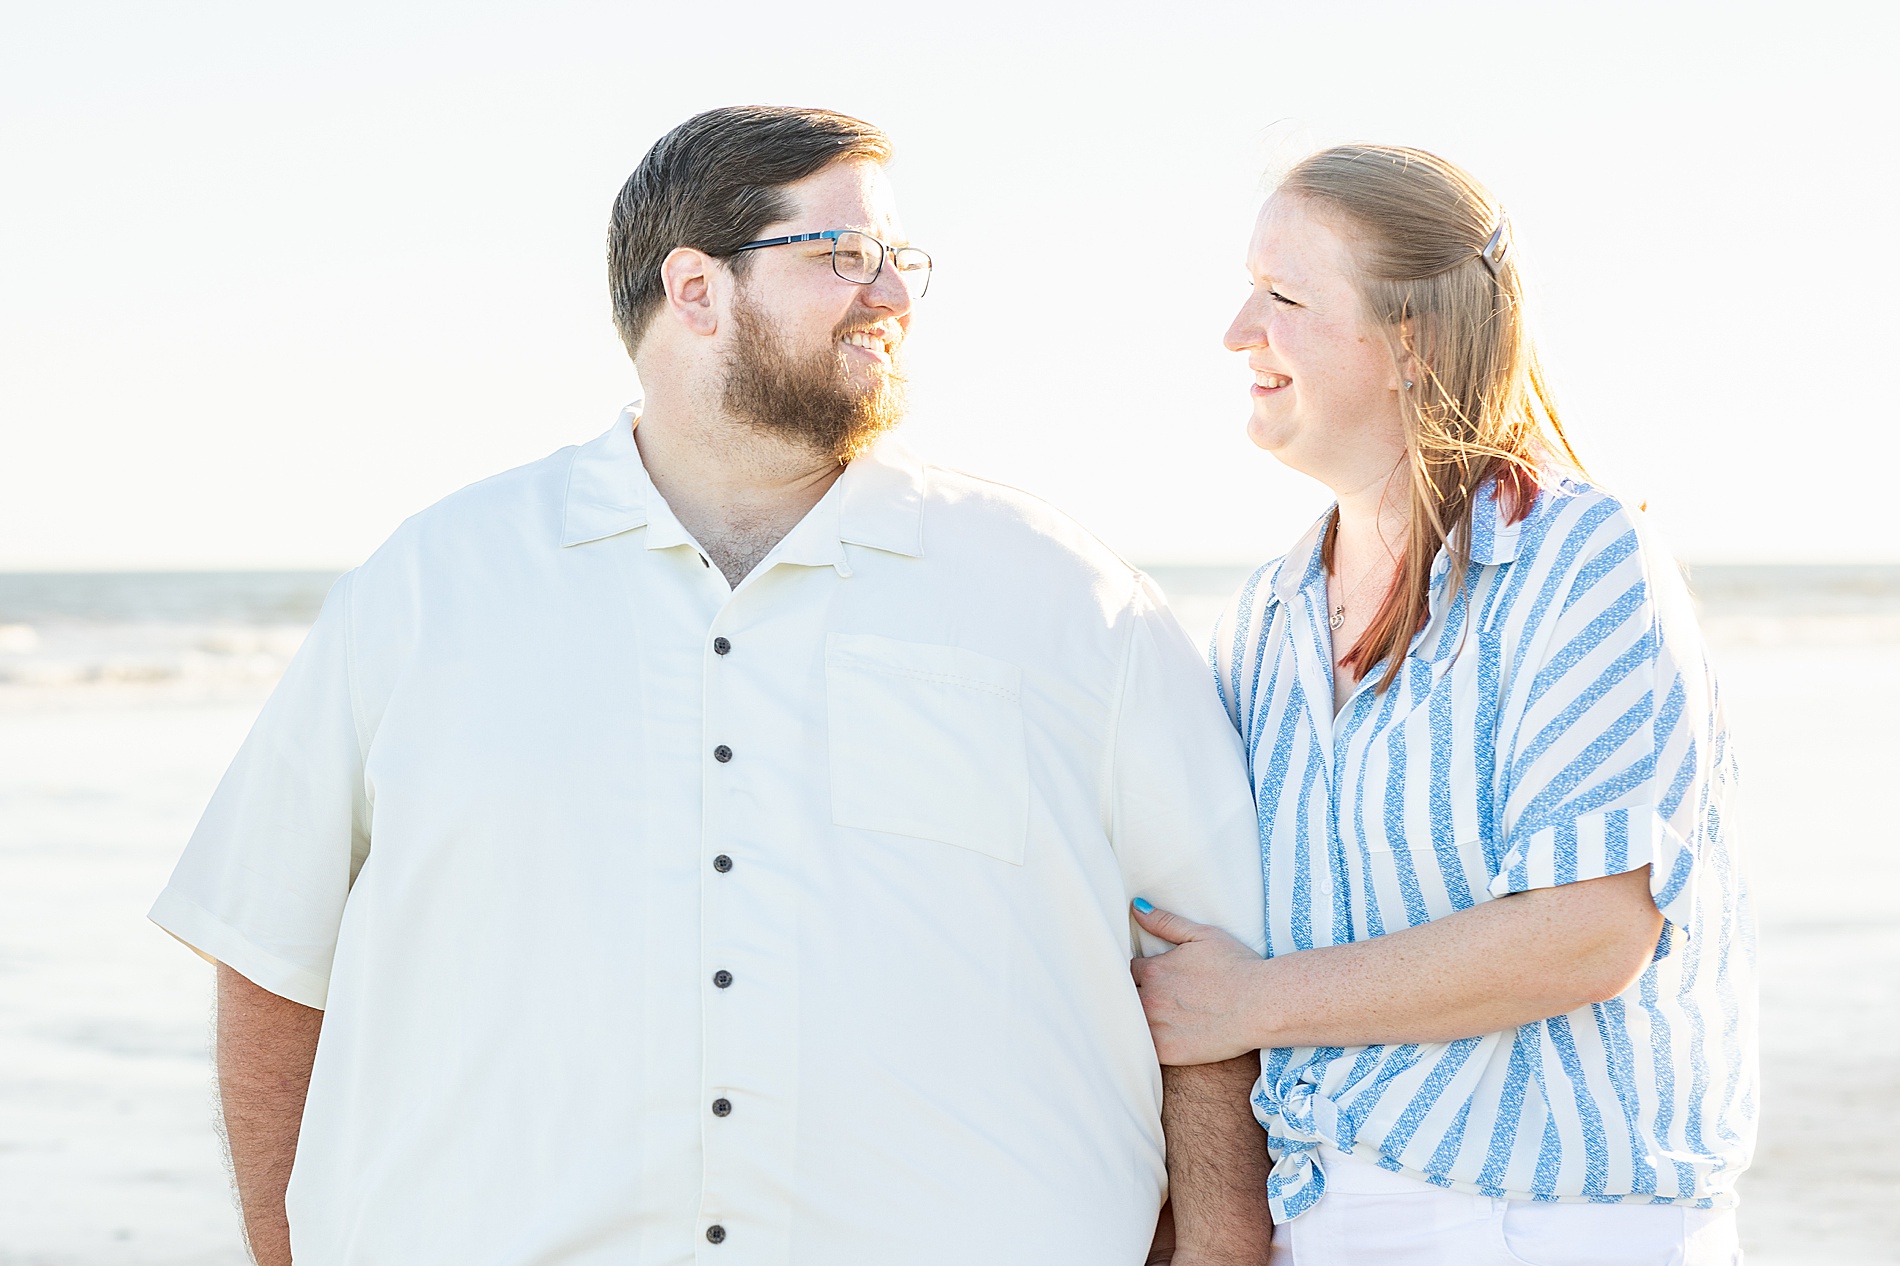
[(107, 1153)]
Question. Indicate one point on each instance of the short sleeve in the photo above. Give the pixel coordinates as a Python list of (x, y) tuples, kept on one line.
[(1610, 758), (1181, 813), (261, 885)]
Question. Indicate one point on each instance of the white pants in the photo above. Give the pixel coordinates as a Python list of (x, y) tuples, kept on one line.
[(1372, 1217)]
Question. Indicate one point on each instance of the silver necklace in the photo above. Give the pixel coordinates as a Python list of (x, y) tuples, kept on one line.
[(1339, 612)]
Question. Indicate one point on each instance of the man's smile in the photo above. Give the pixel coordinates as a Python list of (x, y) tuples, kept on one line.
[(878, 342)]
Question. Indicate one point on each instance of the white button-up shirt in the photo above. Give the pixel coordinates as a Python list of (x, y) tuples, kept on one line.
[(657, 921)]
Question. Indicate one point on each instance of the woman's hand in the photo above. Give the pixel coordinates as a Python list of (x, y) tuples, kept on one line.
[(1196, 995)]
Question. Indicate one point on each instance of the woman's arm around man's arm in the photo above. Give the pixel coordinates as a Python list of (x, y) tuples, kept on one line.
[(1503, 963)]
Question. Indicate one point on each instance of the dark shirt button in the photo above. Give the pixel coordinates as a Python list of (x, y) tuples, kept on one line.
[(722, 978), (722, 863), (721, 645), (722, 753), (716, 1233), (722, 1107)]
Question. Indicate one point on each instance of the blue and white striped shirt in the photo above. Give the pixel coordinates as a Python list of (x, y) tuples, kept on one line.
[(1557, 721)]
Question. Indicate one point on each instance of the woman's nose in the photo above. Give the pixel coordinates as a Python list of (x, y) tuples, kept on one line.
[(1246, 332)]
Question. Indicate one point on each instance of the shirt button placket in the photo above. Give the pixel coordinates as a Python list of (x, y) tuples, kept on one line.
[(722, 978)]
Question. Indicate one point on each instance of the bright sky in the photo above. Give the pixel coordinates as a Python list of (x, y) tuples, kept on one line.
[(273, 277)]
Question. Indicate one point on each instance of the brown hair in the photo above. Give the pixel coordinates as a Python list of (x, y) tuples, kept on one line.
[(713, 183), (1437, 274)]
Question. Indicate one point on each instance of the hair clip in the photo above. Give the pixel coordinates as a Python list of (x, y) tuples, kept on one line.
[(1496, 247)]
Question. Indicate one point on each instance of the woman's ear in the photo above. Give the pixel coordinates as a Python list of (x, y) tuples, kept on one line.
[(692, 278), (1405, 365)]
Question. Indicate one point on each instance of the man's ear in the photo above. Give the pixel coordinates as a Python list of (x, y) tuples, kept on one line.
[(693, 280)]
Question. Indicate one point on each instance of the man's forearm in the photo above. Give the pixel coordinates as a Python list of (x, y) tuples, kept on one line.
[(266, 1045), (1217, 1164)]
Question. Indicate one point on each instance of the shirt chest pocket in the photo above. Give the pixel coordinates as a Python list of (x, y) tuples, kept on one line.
[(927, 741)]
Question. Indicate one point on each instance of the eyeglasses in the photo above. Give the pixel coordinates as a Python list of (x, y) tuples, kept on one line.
[(859, 258)]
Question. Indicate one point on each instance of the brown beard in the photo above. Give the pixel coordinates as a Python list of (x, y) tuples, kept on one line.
[(811, 399)]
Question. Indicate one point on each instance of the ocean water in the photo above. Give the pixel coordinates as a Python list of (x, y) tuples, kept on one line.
[(226, 634), (173, 634), (1738, 604), (123, 697)]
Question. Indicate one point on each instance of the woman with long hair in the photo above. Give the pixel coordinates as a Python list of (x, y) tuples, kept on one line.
[(1507, 1012)]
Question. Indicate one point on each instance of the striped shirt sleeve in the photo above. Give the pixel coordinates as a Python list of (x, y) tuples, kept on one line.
[(1598, 772)]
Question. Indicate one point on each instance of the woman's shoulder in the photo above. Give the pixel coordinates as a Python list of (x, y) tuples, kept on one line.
[(1574, 524), (1593, 547), (1249, 604), (1239, 637)]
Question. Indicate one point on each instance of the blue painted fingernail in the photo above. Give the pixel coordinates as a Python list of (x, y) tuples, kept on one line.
[(1144, 905)]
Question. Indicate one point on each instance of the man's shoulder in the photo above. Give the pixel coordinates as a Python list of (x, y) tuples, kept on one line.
[(1012, 530), (518, 507)]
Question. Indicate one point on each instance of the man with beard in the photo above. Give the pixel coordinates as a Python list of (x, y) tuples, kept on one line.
[(714, 843)]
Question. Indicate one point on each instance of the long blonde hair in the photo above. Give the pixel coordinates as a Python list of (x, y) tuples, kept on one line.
[(1437, 273)]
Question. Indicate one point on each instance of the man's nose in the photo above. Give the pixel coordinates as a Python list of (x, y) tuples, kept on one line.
[(889, 291)]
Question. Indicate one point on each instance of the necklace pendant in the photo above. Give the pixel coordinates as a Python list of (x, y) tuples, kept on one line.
[(1339, 618)]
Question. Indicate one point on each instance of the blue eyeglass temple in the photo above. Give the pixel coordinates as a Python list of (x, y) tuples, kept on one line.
[(829, 235)]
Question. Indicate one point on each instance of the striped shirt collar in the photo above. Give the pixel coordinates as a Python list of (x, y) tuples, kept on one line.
[(1493, 542)]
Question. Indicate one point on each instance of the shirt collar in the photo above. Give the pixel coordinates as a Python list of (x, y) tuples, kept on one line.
[(1303, 564), (878, 502), (607, 487), (881, 501), (1493, 543)]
